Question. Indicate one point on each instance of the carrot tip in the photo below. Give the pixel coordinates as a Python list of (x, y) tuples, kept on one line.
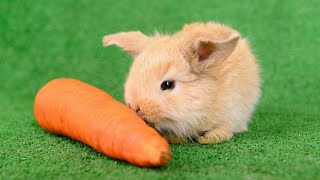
[(164, 156)]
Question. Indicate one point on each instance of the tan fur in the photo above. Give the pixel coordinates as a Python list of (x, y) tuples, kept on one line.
[(213, 98)]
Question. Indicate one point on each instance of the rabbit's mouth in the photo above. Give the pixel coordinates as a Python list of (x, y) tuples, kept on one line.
[(149, 122), (153, 121)]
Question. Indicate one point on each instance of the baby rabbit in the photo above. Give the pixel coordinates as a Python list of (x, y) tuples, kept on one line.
[(201, 83)]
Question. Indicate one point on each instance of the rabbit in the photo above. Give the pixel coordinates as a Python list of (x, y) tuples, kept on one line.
[(200, 84)]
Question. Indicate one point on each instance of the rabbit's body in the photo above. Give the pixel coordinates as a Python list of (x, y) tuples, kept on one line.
[(214, 77)]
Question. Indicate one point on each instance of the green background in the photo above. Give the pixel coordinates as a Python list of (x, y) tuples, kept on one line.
[(42, 40)]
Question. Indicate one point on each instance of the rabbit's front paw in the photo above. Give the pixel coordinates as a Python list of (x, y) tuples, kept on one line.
[(214, 136)]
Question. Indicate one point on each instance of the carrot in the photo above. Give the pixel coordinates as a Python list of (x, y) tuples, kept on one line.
[(82, 112)]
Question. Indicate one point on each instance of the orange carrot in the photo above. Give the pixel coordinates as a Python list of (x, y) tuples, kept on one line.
[(82, 112)]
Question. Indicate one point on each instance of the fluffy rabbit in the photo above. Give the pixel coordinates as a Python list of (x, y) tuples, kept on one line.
[(201, 83)]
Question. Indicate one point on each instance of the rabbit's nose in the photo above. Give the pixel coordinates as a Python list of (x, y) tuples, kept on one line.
[(135, 109)]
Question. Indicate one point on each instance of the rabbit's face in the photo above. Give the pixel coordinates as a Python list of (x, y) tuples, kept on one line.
[(164, 91)]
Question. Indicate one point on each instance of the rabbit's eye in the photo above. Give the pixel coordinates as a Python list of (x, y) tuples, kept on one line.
[(167, 85)]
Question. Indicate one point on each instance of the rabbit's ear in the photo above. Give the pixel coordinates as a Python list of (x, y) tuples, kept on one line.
[(132, 42), (209, 52)]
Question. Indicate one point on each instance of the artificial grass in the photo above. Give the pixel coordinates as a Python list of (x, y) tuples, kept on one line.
[(42, 40)]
